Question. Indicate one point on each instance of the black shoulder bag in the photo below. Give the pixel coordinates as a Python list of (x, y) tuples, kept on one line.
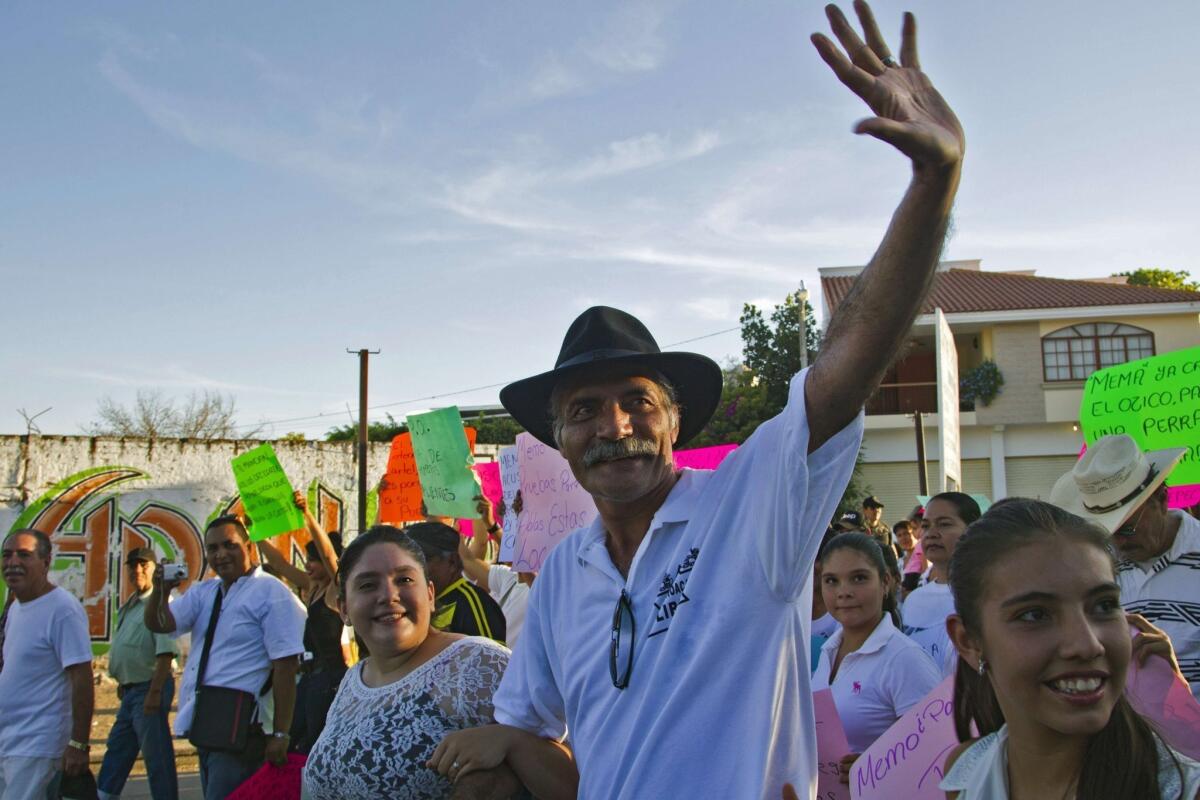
[(221, 717)]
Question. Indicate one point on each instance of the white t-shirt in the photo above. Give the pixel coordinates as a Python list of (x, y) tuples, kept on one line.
[(1166, 591), (924, 618), (718, 702), (877, 683), (513, 597), (42, 638), (260, 621)]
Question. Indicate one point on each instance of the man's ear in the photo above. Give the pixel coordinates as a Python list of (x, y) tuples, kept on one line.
[(968, 647)]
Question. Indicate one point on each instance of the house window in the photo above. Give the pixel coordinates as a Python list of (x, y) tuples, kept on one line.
[(1075, 352)]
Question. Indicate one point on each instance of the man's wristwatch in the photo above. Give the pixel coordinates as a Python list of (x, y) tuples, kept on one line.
[(280, 735), (79, 745), (494, 529)]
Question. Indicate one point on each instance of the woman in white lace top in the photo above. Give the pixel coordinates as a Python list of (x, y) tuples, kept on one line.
[(417, 685), (1044, 650)]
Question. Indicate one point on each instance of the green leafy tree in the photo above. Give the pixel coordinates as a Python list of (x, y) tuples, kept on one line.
[(490, 430), (1162, 279), (376, 431)]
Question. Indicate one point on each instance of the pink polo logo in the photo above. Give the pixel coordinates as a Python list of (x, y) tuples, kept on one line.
[(857, 688)]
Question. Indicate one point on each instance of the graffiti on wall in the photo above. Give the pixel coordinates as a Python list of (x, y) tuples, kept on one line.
[(93, 534)]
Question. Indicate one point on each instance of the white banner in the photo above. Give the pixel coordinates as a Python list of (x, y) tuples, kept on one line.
[(949, 452)]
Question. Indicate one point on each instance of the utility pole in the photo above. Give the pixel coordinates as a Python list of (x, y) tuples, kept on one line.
[(803, 326), (363, 356), (922, 475)]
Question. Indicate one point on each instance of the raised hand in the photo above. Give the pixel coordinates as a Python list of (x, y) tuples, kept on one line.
[(910, 114)]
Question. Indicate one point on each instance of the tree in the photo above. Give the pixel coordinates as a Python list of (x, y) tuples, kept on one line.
[(202, 415), (1161, 279), (501, 430), (772, 352)]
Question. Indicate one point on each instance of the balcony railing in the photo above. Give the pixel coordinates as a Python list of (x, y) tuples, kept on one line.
[(907, 398)]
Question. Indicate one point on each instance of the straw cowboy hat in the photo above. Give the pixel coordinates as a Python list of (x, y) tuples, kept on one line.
[(602, 337), (1112, 479)]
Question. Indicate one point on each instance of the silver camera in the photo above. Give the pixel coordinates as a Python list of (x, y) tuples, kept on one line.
[(174, 573)]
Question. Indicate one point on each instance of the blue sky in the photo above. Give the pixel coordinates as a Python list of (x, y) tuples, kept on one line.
[(227, 195)]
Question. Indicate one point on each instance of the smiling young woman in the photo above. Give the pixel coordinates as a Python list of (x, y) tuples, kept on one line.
[(1045, 649), (416, 685)]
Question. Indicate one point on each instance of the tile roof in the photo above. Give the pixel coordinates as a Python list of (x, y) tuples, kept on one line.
[(959, 291)]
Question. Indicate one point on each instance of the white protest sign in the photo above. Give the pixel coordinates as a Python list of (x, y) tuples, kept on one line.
[(510, 480), (553, 503)]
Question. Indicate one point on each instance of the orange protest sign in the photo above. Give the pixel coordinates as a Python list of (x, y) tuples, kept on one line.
[(400, 489)]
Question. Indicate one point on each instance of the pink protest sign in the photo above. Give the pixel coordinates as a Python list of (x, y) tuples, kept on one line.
[(553, 503), (1164, 698), (489, 479), (906, 761), (831, 747), (703, 457), (1183, 496)]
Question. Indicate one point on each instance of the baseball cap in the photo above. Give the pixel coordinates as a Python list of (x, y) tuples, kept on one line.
[(141, 554)]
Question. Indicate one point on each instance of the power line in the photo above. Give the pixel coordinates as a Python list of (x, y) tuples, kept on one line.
[(325, 414)]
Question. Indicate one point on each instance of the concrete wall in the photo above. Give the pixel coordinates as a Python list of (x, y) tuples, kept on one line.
[(1017, 351), (99, 498)]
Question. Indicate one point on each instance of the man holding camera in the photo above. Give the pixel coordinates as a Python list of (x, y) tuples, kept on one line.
[(247, 630)]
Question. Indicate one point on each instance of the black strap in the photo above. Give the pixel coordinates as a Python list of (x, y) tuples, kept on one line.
[(208, 636)]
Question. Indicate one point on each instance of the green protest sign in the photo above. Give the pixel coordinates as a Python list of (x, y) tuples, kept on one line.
[(1155, 400), (266, 493), (443, 456)]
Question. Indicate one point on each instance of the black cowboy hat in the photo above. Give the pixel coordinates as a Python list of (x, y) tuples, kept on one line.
[(603, 337)]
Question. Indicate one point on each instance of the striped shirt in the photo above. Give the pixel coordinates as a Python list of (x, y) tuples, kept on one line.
[(464, 608), (1166, 591)]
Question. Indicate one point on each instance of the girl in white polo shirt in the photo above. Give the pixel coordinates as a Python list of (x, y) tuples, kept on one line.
[(875, 672)]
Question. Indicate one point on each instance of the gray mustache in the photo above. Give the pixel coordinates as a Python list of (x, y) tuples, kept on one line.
[(620, 448)]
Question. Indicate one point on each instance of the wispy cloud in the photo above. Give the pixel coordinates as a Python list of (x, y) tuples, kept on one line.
[(173, 377), (630, 39), (641, 152)]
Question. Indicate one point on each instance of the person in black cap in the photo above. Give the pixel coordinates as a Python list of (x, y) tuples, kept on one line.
[(873, 524), (140, 662), (849, 522), (679, 619), (461, 606)]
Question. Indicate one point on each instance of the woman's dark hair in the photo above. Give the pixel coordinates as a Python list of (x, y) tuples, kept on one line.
[(378, 534), (964, 505), (1121, 761), (862, 543), (335, 539)]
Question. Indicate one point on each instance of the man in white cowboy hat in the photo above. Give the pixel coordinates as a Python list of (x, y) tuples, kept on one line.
[(1122, 489), (671, 637)]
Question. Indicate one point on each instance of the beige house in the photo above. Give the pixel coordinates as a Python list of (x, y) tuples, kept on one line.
[(1046, 335)]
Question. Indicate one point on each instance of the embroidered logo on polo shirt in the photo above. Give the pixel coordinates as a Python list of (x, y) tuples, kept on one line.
[(672, 594), (857, 688)]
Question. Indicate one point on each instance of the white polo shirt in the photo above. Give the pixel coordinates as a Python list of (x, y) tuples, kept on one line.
[(877, 683), (718, 702), (1166, 591), (260, 621), (924, 618), (513, 596)]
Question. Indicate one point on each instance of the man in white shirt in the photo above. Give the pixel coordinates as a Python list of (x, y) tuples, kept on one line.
[(46, 685), (259, 634), (1122, 489), (671, 636), (509, 588)]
